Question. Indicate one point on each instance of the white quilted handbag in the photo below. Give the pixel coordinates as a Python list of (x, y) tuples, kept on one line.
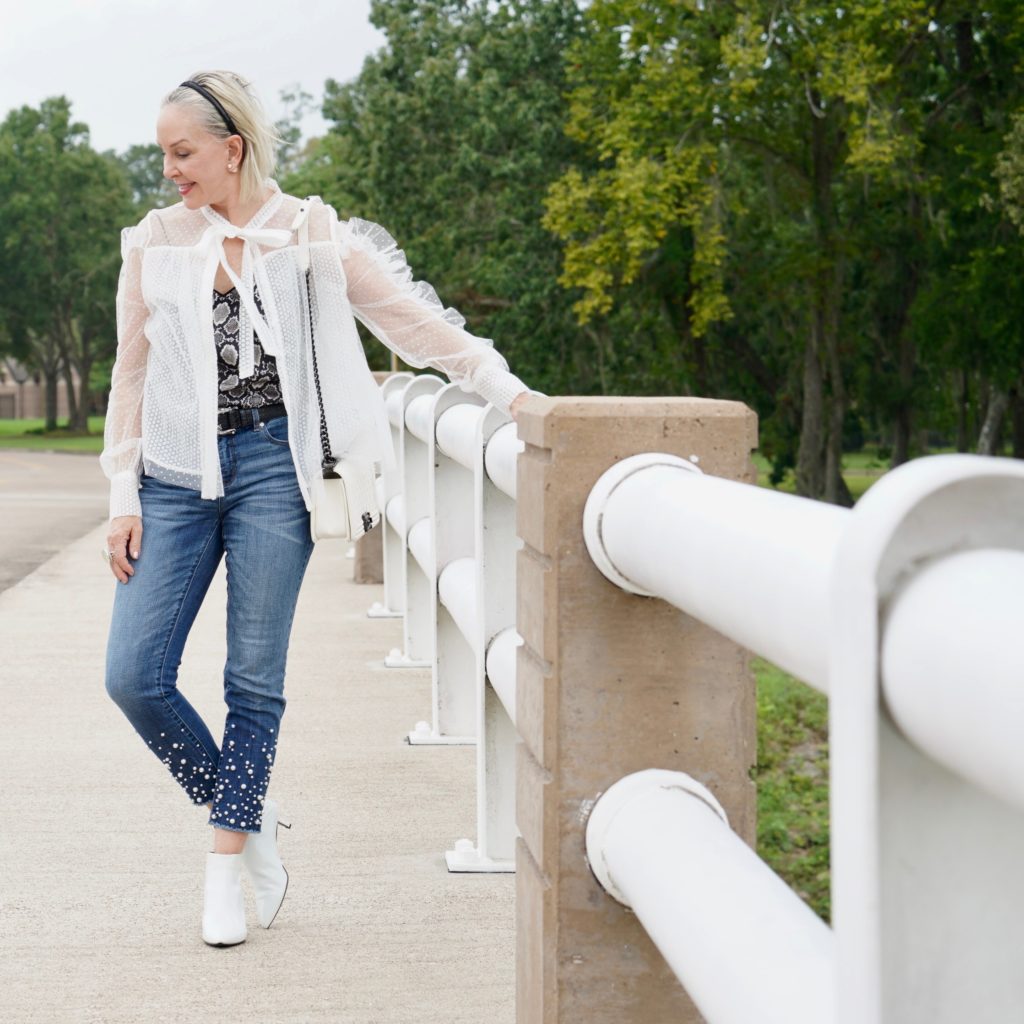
[(348, 508)]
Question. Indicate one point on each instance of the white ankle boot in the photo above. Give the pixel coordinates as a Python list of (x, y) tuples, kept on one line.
[(223, 902), (261, 860)]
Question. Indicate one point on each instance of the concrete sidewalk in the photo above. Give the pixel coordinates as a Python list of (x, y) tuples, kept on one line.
[(47, 500), (102, 855)]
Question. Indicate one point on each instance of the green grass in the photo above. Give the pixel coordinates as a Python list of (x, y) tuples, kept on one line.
[(860, 471), (792, 783), (30, 435)]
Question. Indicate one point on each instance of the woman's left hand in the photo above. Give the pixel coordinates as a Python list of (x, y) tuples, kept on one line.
[(517, 404)]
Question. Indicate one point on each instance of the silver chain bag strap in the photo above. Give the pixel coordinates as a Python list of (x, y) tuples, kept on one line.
[(348, 507)]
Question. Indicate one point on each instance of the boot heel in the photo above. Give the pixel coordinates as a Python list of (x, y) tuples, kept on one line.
[(279, 812)]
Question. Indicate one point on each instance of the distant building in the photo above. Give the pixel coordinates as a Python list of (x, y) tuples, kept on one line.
[(22, 394)]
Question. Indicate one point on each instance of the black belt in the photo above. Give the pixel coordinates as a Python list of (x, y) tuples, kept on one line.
[(239, 419)]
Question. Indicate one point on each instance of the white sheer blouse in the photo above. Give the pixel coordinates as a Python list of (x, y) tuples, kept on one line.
[(162, 411)]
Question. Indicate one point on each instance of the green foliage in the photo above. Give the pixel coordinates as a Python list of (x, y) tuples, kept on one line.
[(450, 137), (792, 784), (1010, 172), (814, 209), (144, 168), (667, 94), (843, 177), (638, 103)]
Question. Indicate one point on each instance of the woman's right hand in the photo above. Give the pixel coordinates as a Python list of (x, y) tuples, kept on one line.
[(124, 538)]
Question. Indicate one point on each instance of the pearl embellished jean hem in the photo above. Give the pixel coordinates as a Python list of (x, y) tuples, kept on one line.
[(260, 529)]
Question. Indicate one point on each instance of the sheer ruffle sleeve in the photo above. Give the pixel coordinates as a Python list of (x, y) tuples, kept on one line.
[(408, 317), (122, 431)]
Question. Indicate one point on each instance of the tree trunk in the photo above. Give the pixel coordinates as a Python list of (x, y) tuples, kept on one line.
[(809, 476), (819, 461), (910, 280), (79, 356), (979, 410), (597, 336), (1018, 422), (73, 344), (702, 376), (901, 428), (44, 356), (69, 387), (836, 492), (992, 428), (692, 351), (963, 401), (903, 421), (84, 407), (50, 383)]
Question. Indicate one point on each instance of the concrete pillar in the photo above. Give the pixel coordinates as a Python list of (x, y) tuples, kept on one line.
[(369, 560), (607, 684)]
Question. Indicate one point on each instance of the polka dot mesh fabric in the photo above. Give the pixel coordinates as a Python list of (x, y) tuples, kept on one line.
[(161, 415)]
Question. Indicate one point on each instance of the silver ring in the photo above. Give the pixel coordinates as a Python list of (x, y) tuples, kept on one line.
[(108, 556)]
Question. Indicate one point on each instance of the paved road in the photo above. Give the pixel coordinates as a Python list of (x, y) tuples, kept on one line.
[(102, 855), (47, 500)]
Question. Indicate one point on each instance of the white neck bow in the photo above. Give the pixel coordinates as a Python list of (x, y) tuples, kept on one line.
[(211, 244)]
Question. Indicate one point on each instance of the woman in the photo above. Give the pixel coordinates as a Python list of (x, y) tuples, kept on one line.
[(213, 446)]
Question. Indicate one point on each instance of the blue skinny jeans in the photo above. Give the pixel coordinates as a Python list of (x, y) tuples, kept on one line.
[(261, 526)]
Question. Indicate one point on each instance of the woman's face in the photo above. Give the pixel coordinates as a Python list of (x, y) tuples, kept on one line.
[(196, 161)]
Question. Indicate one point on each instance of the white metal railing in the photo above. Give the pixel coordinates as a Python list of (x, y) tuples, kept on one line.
[(660, 843), (449, 551), (904, 610), (907, 611)]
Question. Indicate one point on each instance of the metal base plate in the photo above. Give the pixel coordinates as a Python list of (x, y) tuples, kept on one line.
[(396, 659), (380, 611), (428, 738), (467, 859)]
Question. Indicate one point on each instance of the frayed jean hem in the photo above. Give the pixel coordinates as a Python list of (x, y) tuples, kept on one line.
[(234, 828)]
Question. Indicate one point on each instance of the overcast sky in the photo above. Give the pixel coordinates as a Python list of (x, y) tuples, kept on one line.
[(115, 59)]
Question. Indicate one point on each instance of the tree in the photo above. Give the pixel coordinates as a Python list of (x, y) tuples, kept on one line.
[(143, 166), (450, 137), (297, 103), (676, 100), (61, 210)]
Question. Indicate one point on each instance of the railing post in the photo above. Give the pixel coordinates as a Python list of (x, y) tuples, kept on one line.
[(383, 543), (455, 664), (924, 711), (496, 638), (609, 683), (416, 457)]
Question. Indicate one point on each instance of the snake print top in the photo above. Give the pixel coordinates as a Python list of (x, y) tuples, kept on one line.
[(263, 387)]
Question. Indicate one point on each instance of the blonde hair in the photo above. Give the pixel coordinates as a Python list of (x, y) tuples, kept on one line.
[(239, 99)]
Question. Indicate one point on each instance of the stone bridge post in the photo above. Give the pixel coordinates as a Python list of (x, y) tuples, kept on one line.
[(609, 683)]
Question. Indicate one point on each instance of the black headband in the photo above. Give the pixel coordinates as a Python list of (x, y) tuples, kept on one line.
[(203, 91)]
